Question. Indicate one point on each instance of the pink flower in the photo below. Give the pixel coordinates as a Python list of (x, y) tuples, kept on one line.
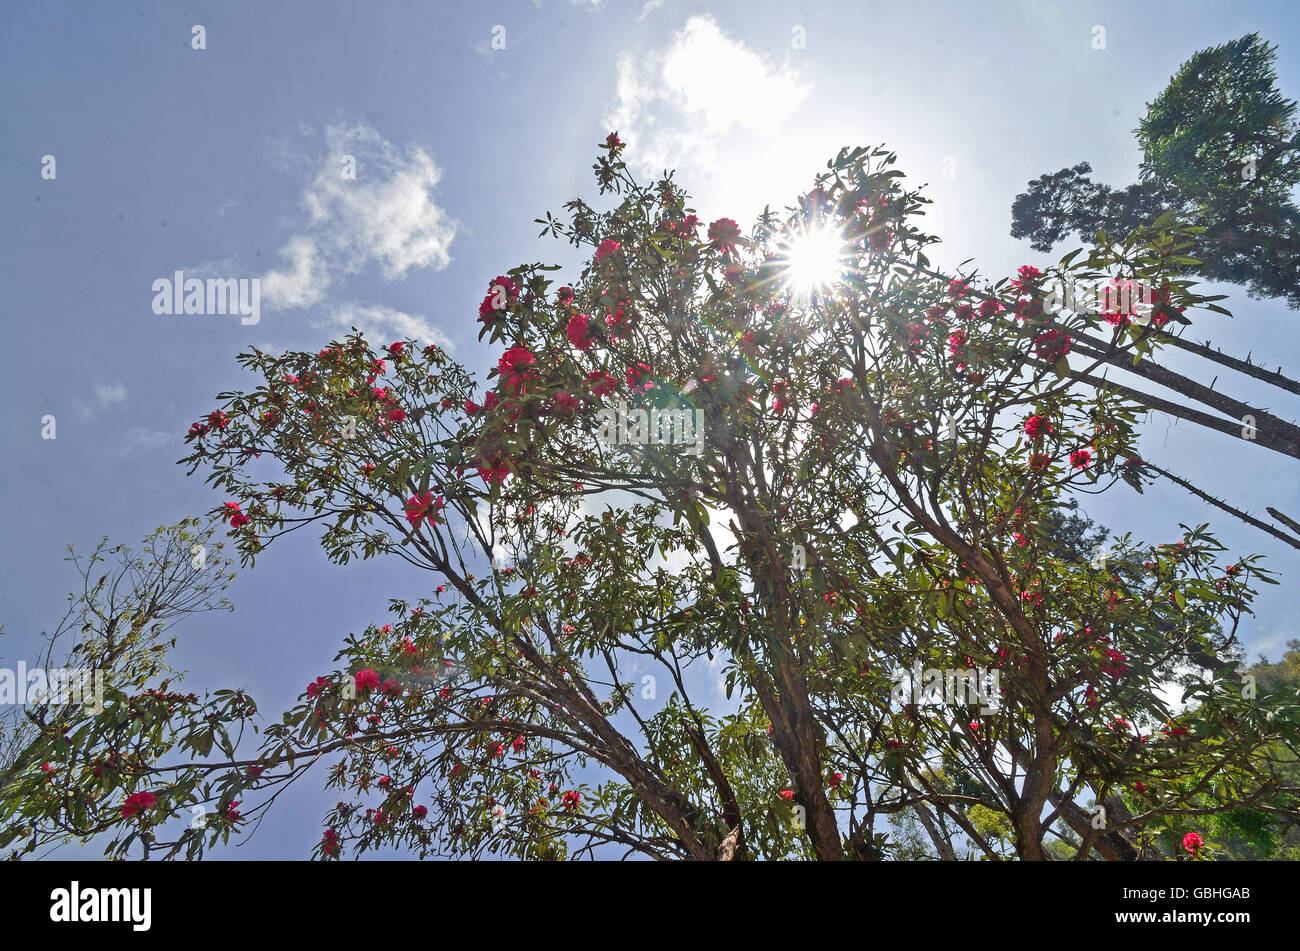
[(579, 331), (636, 374), (396, 348), (420, 507), (602, 384), (787, 794), (502, 292), (1025, 276), (565, 403), (318, 685), (494, 470), (1192, 843), (511, 368), (1080, 458), (329, 843), (137, 803), (1037, 425), (420, 812), (1050, 345), (607, 247), (723, 235), (366, 680)]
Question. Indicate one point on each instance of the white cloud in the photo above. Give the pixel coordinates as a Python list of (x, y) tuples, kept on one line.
[(382, 324), (676, 104), (386, 214), (109, 394), (305, 281), (142, 439), (650, 7)]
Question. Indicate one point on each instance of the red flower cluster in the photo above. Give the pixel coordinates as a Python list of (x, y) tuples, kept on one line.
[(1037, 425), (1051, 345), (1025, 277), (237, 518), (423, 506), (602, 384), (682, 229), (513, 368), (1114, 665), (137, 803), (489, 403), (723, 235), (329, 843), (638, 377), (579, 331), (494, 469), (501, 294)]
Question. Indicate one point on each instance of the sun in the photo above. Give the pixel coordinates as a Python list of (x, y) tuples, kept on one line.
[(813, 259)]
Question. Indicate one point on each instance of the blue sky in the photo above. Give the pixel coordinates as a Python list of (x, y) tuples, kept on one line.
[(224, 162)]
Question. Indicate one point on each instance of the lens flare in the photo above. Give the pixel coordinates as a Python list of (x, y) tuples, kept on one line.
[(813, 260)]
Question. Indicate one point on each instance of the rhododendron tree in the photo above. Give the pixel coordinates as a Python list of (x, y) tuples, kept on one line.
[(884, 462)]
